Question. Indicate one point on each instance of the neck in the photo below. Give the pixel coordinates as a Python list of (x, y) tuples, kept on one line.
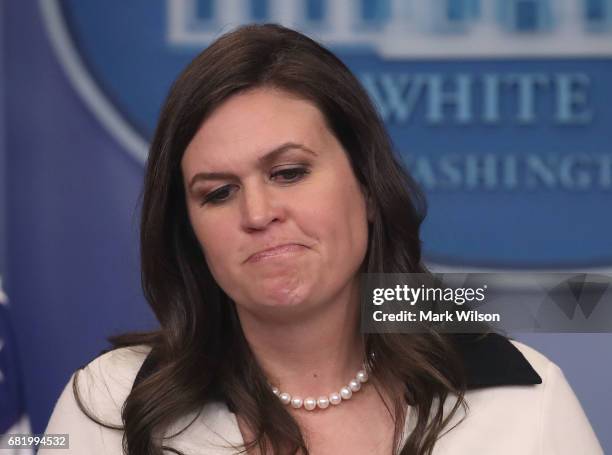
[(315, 353)]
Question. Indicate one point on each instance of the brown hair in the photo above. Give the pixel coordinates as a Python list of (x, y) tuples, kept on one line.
[(200, 351)]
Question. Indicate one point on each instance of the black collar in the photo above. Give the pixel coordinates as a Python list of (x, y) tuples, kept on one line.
[(490, 360)]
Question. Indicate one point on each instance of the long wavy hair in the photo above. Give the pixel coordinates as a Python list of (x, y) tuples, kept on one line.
[(200, 352)]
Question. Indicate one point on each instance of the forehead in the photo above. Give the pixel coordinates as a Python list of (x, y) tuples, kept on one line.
[(253, 122)]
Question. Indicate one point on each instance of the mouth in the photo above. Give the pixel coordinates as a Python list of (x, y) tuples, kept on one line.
[(279, 250)]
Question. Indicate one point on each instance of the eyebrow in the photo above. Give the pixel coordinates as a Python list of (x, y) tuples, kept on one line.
[(262, 161)]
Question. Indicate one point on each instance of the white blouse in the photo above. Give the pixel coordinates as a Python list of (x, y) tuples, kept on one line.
[(540, 419)]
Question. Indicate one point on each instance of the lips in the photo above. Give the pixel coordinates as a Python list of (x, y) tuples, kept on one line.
[(278, 250)]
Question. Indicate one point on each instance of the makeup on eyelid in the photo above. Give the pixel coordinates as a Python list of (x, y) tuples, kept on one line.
[(292, 174)]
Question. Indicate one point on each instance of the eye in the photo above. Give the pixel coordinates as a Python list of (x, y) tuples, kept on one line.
[(218, 196), (289, 175)]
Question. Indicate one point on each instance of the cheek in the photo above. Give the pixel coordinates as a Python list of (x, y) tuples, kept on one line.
[(339, 218), (355, 227), (214, 238)]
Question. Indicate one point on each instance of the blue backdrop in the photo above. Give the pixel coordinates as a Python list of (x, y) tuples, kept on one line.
[(504, 128)]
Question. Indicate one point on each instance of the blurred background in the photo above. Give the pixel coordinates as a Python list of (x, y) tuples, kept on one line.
[(501, 109)]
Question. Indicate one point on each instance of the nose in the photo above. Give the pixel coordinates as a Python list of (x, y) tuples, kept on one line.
[(260, 207)]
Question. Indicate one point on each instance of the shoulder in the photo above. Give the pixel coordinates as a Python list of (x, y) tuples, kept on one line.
[(102, 387), (538, 416), (117, 366), (564, 425), (104, 384)]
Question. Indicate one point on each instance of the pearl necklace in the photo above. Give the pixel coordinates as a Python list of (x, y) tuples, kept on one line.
[(323, 402)]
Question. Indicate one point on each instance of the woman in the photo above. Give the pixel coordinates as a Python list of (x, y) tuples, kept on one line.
[(270, 186)]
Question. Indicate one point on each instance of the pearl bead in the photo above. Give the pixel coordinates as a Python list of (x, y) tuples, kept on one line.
[(335, 398), (362, 376), (346, 393), (323, 402), (354, 385), (285, 398), (310, 403)]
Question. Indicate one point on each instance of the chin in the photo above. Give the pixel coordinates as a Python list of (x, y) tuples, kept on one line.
[(284, 297), (282, 287)]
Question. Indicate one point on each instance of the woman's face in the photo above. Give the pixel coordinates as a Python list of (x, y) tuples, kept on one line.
[(274, 203)]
